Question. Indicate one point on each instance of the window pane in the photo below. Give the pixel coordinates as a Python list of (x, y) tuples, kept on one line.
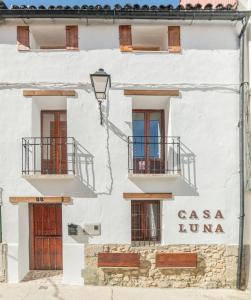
[(155, 123), (138, 134), (155, 133), (48, 124), (152, 219)]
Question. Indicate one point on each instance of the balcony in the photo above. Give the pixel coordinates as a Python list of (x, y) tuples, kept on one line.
[(154, 156), (48, 157)]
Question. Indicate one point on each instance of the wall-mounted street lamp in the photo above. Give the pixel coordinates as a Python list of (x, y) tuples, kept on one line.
[(100, 81)]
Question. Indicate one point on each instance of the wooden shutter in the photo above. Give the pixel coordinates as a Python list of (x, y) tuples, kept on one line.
[(174, 39), (23, 39), (125, 38), (72, 37), (62, 168)]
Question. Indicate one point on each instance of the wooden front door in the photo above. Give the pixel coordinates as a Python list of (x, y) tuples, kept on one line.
[(54, 142), (45, 236), (148, 141)]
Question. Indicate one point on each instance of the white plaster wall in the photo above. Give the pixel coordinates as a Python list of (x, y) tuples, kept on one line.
[(205, 116), (244, 5), (75, 67), (23, 243)]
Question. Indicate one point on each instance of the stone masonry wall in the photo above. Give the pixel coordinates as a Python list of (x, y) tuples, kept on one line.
[(216, 268)]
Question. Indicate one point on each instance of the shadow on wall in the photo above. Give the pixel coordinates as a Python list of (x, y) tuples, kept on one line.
[(85, 166), (119, 133), (188, 167), (183, 185), (63, 187), (83, 185)]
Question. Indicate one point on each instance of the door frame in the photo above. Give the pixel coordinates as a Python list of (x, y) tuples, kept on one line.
[(31, 234), (146, 133)]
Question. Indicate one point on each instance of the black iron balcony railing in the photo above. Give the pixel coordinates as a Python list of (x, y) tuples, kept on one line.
[(48, 155), (153, 155)]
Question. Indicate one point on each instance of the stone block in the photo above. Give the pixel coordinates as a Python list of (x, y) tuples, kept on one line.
[(231, 250), (90, 276)]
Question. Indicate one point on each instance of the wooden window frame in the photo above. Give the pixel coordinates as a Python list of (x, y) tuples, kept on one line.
[(172, 48), (125, 38), (23, 45), (57, 115), (147, 158), (147, 113), (67, 37), (66, 47), (143, 236), (130, 47)]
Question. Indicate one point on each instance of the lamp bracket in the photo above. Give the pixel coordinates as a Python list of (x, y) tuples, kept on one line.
[(100, 111)]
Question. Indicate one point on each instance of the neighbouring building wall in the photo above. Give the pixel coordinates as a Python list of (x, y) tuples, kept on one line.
[(3, 262), (205, 116), (247, 223)]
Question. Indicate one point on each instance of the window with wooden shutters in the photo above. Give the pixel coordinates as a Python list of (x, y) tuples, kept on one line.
[(72, 37), (174, 39), (23, 38), (145, 221), (125, 38)]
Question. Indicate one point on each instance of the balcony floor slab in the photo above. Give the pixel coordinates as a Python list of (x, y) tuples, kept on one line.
[(166, 175), (49, 176)]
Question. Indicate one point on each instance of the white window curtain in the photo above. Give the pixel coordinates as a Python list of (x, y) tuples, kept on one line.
[(152, 212)]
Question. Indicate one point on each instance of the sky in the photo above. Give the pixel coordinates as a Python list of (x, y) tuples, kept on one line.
[(88, 2)]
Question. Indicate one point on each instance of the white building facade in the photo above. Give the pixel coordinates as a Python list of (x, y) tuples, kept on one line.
[(151, 196)]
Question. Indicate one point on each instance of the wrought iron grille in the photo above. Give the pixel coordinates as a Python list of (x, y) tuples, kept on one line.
[(145, 222), (153, 155), (48, 155)]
